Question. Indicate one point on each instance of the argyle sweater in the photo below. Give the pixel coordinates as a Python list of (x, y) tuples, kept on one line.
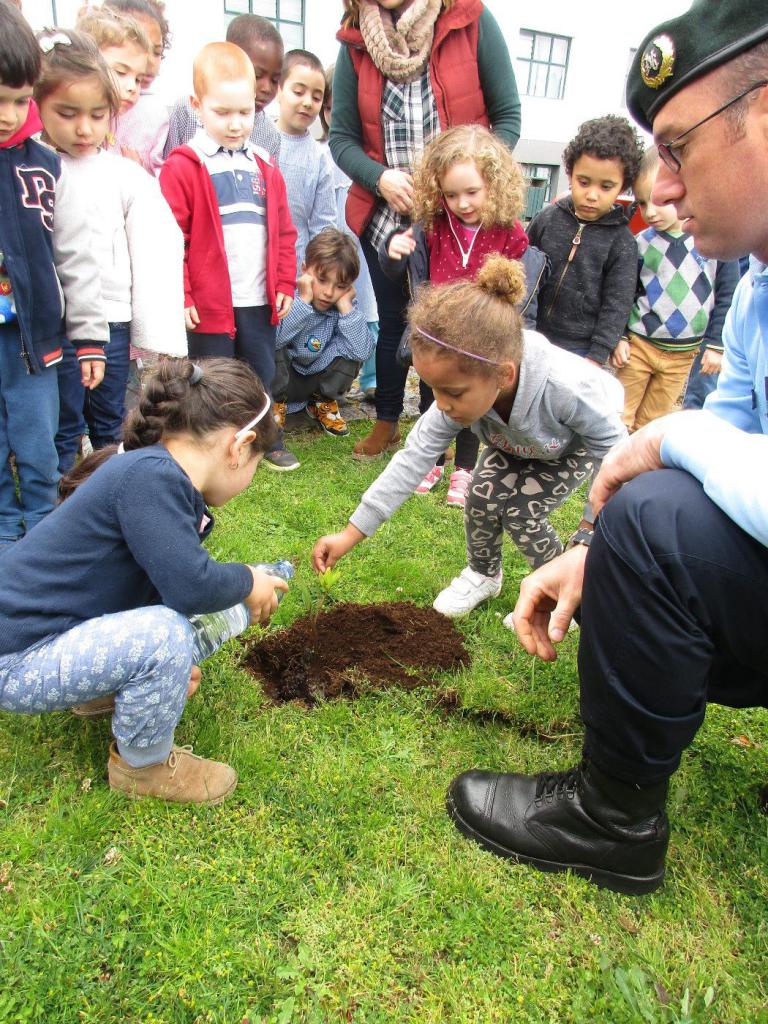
[(682, 296)]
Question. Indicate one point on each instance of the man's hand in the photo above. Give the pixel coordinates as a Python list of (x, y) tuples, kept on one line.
[(401, 244), (283, 305), (262, 600), (396, 187), (620, 355), (329, 549), (191, 318), (91, 372), (345, 300), (304, 287), (711, 362), (629, 458), (548, 598)]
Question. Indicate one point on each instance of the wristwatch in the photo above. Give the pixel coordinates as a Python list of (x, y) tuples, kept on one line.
[(583, 536)]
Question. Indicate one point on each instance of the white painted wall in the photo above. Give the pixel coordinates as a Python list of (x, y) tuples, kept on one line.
[(602, 35)]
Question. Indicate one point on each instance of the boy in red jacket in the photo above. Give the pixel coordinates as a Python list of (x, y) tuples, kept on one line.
[(239, 241)]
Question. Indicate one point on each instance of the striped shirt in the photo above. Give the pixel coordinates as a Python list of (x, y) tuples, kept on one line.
[(241, 194)]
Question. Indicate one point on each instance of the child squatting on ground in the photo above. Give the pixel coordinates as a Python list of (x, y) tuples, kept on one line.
[(584, 305), (133, 234), (680, 309), (229, 201), (468, 197), (41, 245), (107, 611), (546, 416), (323, 341)]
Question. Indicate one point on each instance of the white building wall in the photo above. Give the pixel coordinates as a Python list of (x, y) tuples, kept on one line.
[(602, 35)]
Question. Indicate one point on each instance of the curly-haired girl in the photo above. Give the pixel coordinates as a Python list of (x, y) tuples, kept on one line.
[(468, 195), (547, 418)]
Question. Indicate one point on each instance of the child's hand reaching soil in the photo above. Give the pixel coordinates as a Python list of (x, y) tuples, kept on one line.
[(329, 549)]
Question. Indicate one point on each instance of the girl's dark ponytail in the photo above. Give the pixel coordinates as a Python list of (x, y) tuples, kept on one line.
[(182, 397)]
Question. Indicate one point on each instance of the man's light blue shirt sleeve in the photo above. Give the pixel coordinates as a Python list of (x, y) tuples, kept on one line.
[(725, 445)]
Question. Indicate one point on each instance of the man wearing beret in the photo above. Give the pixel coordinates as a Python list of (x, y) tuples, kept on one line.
[(673, 591)]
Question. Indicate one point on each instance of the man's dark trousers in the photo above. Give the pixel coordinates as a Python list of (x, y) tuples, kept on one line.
[(674, 614)]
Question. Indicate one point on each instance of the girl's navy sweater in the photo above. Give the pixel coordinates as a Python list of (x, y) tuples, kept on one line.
[(130, 536)]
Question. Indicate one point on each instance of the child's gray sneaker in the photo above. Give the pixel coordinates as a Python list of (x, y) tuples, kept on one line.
[(465, 592)]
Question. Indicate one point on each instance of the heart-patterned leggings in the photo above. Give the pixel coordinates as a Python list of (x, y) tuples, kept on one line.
[(516, 496)]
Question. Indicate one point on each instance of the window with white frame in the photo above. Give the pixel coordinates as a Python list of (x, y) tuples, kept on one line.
[(287, 15), (542, 64)]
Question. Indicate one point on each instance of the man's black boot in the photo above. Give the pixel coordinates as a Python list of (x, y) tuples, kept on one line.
[(582, 820)]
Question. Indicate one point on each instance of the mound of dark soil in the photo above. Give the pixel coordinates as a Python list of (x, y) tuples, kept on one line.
[(356, 647)]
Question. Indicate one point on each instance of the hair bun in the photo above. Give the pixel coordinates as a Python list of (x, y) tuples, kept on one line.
[(503, 278)]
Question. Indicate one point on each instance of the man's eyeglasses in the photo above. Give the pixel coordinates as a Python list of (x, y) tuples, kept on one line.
[(666, 148)]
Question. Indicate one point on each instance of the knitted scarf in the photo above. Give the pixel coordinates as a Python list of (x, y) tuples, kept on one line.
[(399, 49)]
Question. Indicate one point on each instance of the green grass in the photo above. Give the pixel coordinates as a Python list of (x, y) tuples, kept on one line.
[(332, 887)]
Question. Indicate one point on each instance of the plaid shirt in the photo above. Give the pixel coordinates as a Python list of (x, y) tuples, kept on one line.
[(410, 121)]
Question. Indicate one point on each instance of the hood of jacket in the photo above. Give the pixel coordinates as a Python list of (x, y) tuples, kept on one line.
[(31, 127)]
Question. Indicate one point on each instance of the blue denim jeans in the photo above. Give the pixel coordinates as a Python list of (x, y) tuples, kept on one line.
[(699, 385), (29, 412), (368, 369), (101, 409), (143, 656)]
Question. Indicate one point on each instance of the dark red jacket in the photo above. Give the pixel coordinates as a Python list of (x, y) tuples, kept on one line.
[(187, 186), (455, 80)]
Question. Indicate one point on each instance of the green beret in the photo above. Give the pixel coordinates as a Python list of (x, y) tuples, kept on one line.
[(683, 49)]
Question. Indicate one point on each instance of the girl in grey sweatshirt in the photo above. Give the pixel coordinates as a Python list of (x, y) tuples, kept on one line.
[(547, 419)]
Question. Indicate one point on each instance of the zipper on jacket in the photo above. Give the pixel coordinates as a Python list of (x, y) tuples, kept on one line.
[(574, 248), (464, 255), (535, 289)]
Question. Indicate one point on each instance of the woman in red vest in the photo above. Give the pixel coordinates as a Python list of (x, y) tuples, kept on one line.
[(407, 70)]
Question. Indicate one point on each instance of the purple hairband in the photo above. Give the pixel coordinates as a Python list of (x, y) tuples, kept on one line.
[(461, 351)]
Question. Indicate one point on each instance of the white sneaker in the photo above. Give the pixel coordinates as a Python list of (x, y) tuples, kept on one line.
[(465, 592)]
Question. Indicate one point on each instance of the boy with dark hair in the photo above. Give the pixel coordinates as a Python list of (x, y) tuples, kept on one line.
[(261, 41), (585, 302), (307, 172), (325, 337), (37, 251), (680, 309)]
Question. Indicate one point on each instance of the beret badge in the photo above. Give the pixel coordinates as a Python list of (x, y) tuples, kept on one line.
[(657, 61)]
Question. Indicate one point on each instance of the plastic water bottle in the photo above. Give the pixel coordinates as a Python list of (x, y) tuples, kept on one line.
[(213, 629), (284, 569)]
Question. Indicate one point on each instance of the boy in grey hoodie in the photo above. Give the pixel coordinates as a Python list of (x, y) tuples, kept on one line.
[(584, 304), (547, 419)]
